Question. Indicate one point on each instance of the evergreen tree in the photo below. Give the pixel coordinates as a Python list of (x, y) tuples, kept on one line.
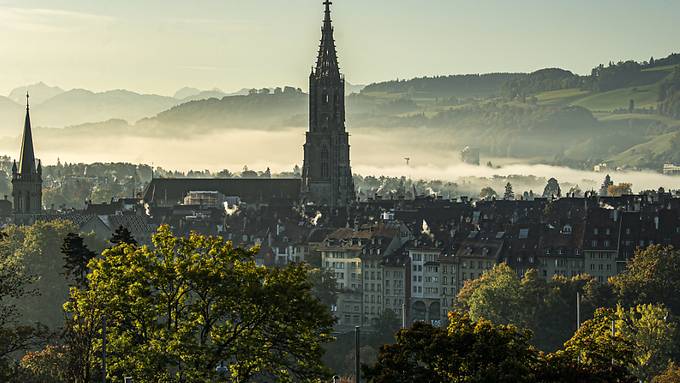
[(509, 194), (604, 189), (76, 258), (122, 235)]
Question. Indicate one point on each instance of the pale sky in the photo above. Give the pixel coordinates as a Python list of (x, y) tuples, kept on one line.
[(159, 46)]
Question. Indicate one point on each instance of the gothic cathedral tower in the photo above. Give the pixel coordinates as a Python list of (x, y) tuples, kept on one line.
[(27, 179), (326, 174)]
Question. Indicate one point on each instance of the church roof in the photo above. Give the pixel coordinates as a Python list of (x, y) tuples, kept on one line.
[(250, 190)]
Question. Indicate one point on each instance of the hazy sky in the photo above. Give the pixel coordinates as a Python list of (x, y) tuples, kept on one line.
[(158, 46)]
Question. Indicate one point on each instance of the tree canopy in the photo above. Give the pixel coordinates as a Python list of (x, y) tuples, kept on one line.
[(186, 305)]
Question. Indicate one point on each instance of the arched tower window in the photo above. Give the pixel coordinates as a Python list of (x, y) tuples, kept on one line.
[(324, 162)]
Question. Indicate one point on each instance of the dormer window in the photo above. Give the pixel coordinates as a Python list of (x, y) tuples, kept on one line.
[(566, 230)]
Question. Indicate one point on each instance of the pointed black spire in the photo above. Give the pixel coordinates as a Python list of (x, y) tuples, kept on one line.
[(327, 62), (27, 156)]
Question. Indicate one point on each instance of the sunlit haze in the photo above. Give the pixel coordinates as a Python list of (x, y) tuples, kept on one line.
[(159, 46)]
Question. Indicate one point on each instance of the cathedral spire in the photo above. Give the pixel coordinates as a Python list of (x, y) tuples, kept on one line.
[(27, 156), (327, 62)]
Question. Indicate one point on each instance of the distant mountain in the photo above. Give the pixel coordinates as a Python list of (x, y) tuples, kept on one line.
[(186, 92), (351, 88), (256, 111), (79, 106), (204, 95), (39, 92), (11, 117)]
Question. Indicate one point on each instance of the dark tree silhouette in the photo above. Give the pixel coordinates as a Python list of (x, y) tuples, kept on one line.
[(122, 235), (76, 258)]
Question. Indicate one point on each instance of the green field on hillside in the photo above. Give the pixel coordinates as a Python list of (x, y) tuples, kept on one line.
[(561, 97), (645, 97), (667, 68)]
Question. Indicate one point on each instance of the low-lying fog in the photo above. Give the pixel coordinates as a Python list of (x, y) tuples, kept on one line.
[(374, 152)]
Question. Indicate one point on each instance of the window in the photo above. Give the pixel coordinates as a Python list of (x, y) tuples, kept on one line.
[(324, 162)]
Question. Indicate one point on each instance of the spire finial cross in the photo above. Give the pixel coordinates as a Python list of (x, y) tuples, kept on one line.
[(27, 97), (328, 4)]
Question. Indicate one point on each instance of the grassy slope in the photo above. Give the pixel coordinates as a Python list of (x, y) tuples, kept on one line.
[(645, 96)]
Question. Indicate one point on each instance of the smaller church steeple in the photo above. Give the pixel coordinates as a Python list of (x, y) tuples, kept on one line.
[(27, 155), (27, 177)]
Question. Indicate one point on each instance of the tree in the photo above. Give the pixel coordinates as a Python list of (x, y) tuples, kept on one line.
[(76, 258), (598, 346), (631, 106), (620, 189), (604, 189), (546, 307), (179, 309), (509, 195), (324, 286), (468, 351), (487, 194), (671, 375), (37, 249), (45, 366), (652, 276), (15, 284), (495, 296), (653, 335), (122, 236), (552, 189)]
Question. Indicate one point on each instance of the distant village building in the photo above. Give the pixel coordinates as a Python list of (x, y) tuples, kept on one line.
[(601, 168), (210, 199), (671, 169), (470, 155)]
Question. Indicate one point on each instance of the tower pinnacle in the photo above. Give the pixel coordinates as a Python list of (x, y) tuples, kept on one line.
[(327, 62)]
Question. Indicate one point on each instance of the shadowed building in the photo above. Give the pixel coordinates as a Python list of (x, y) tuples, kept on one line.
[(168, 192), (326, 174), (27, 179)]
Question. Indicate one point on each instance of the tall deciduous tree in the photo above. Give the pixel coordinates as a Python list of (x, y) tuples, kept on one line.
[(652, 276), (179, 309)]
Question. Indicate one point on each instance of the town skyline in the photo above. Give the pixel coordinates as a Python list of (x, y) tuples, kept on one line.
[(152, 49)]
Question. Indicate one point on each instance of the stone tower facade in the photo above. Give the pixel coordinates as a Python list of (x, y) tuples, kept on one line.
[(326, 174), (27, 179)]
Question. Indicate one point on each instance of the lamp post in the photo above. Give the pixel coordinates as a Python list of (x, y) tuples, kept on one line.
[(357, 364), (104, 348)]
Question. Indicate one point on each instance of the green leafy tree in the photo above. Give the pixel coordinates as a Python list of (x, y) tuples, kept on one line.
[(76, 257), (598, 346), (15, 284), (183, 307), (546, 307), (495, 296), (468, 351), (652, 276), (487, 193), (37, 249), (653, 334)]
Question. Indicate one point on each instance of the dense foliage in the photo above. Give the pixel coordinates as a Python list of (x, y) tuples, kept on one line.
[(178, 310)]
